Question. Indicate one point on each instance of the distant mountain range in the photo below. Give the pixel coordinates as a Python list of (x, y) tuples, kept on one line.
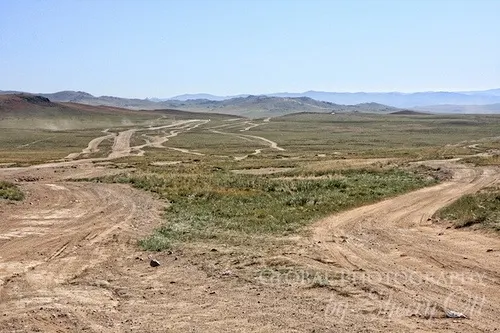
[(249, 106), (486, 101), (187, 97), (395, 99), (464, 109)]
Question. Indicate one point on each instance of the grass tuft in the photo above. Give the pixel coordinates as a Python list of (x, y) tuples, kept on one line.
[(10, 191)]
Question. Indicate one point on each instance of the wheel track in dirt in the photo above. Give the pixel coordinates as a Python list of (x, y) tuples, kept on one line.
[(93, 146), (65, 230), (396, 236), (122, 147), (248, 125)]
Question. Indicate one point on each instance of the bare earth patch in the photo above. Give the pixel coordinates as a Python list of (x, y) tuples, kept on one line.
[(163, 163), (261, 171)]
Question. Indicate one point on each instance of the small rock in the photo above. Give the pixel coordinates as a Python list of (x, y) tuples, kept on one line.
[(489, 250), (455, 314), (213, 250), (154, 263)]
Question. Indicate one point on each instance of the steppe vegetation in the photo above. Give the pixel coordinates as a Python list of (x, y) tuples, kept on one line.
[(290, 209), (479, 210), (10, 191), (211, 202)]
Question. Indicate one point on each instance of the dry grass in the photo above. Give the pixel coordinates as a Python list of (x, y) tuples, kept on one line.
[(10, 191), (479, 210)]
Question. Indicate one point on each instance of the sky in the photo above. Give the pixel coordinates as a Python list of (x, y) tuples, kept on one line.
[(154, 48)]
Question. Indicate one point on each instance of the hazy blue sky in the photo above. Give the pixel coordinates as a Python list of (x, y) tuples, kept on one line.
[(163, 48)]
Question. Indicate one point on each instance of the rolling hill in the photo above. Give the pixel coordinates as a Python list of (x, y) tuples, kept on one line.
[(38, 112), (311, 101), (396, 99), (403, 100), (251, 106)]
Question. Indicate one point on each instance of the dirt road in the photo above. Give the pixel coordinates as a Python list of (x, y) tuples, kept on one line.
[(93, 146), (248, 125), (61, 231), (122, 140), (402, 267), (122, 147), (69, 262)]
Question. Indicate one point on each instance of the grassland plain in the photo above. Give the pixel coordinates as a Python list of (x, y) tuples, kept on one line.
[(208, 200), (210, 204), (363, 135), (242, 219), (34, 146)]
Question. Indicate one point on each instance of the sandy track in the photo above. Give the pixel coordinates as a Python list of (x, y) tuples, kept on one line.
[(400, 266), (93, 146), (59, 233), (272, 144), (122, 141), (122, 148), (251, 138)]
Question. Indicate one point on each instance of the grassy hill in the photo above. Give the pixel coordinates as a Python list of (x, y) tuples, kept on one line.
[(249, 106), (265, 106), (34, 129), (38, 112)]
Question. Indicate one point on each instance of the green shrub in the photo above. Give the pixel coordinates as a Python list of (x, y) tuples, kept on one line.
[(10, 191)]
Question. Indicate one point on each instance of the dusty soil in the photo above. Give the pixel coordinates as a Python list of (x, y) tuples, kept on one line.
[(261, 171), (122, 140), (349, 163), (69, 262)]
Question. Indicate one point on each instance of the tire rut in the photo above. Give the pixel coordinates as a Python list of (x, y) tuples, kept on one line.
[(395, 238)]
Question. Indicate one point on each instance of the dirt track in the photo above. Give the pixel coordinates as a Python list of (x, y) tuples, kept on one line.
[(93, 146), (251, 138), (59, 232), (122, 140), (411, 267), (69, 262), (122, 146)]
